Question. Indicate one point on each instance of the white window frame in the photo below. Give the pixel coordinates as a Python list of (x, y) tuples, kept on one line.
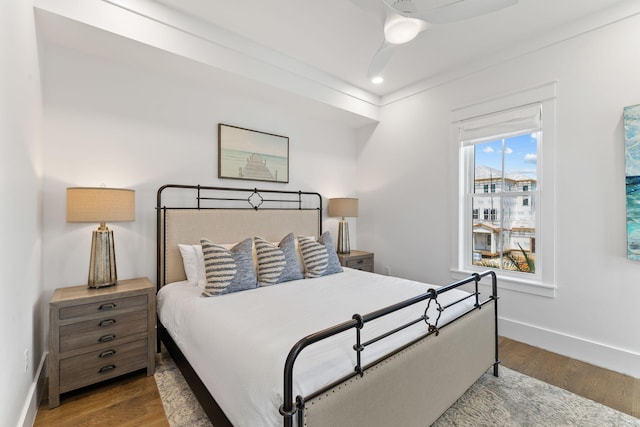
[(542, 282)]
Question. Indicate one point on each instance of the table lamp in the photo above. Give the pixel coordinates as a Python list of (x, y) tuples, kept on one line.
[(343, 207), (101, 205)]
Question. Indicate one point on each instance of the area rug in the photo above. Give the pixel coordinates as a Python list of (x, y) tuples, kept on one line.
[(511, 400)]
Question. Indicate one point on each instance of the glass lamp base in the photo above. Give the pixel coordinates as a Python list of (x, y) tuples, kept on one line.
[(102, 267), (343, 237)]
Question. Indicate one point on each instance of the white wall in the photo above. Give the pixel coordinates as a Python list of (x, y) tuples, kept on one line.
[(135, 126), (407, 169), (21, 303)]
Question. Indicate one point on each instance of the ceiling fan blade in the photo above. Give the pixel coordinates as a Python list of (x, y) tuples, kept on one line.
[(463, 9), (380, 59), (401, 7)]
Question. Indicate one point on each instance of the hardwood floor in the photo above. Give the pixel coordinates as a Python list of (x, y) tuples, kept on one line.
[(610, 388), (133, 400), (130, 400)]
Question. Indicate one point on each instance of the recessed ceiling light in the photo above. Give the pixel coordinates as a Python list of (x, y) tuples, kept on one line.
[(377, 80)]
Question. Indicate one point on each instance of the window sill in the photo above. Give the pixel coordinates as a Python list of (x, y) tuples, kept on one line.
[(512, 284)]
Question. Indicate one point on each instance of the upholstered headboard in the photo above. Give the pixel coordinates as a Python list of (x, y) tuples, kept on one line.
[(187, 213)]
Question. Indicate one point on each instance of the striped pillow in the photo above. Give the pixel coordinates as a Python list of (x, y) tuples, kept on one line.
[(228, 270), (277, 264), (320, 258)]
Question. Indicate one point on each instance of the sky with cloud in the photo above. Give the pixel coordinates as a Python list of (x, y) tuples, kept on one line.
[(520, 154)]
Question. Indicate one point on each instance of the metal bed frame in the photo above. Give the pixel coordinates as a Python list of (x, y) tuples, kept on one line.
[(254, 199), (290, 406), (207, 198)]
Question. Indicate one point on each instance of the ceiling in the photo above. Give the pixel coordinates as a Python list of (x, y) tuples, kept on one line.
[(340, 37), (309, 55)]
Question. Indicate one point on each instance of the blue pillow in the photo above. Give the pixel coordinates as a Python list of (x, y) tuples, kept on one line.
[(320, 258), (277, 264), (228, 270)]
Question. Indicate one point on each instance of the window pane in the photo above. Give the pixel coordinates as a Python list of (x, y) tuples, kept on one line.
[(488, 167), (486, 240), (521, 162), (519, 234), (504, 233)]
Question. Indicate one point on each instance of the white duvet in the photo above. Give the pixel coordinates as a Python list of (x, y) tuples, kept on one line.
[(238, 343)]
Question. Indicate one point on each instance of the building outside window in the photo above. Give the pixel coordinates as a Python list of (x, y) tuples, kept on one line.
[(507, 163)]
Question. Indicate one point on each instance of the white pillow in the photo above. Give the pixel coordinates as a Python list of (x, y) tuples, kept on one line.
[(189, 262), (193, 261)]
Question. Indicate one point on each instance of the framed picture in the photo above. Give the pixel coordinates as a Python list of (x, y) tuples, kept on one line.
[(252, 155), (632, 154)]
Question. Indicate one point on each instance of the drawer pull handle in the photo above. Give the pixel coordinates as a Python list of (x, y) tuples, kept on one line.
[(108, 322), (106, 307), (106, 369), (106, 338), (360, 261), (107, 353)]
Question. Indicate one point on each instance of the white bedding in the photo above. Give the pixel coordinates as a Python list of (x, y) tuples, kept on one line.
[(238, 343)]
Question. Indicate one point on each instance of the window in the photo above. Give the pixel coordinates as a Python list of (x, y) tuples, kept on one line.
[(501, 143), (509, 160)]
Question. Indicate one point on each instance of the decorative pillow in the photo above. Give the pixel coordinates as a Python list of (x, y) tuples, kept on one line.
[(190, 263), (228, 270), (320, 258), (299, 253), (277, 264), (193, 262)]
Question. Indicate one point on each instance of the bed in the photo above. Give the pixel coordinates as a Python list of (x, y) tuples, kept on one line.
[(345, 348)]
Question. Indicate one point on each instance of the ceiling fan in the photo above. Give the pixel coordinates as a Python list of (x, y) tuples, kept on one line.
[(404, 22)]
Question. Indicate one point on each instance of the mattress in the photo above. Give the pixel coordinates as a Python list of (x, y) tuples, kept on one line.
[(238, 343)]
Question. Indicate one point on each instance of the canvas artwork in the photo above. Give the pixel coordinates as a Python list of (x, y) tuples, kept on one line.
[(252, 155), (632, 155)]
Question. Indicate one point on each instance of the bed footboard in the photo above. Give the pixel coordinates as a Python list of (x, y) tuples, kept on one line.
[(415, 386)]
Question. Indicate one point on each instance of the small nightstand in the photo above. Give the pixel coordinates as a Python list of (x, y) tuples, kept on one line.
[(98, 334), (360, 260)]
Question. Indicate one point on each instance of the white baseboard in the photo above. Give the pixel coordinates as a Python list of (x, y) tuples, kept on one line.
[(30, 410), (604, 356)]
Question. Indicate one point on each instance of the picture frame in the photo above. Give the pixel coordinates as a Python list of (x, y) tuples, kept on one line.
[(252, 155), (631, 119)]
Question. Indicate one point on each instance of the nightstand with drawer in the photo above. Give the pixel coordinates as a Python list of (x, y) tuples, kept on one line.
[(98, 334), (360, 260)]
